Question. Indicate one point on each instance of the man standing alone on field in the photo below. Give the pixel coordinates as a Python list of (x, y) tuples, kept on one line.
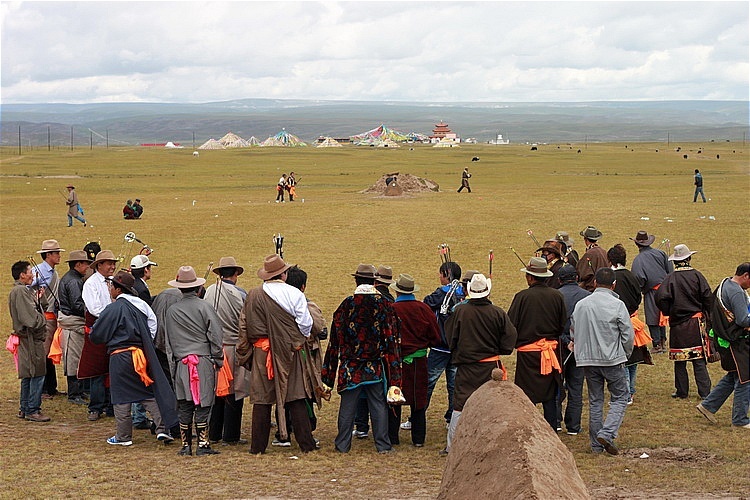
[(602, 341), (73, 207), (698, 186), (465, 176)]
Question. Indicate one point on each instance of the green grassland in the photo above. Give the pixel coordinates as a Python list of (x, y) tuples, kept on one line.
[(198, 209)]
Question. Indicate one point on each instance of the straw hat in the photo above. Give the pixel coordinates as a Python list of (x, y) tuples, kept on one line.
[(102, 256), (404, 284), (537, 267), (186, 278), (681, 252), (479, 286), (273, 265), (226, 262), (50, 246)]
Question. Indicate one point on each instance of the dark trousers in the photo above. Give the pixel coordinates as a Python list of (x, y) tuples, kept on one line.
[(362, 417), (573, 392), (50, 379), (702, 378), (418, 424), (99, 399), (226, 419), (309, 405), (378, 413), (261, 426), (550, 413), (75, 387)]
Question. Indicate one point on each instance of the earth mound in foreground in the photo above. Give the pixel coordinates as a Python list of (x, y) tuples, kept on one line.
[(504, 448), (398, 184)]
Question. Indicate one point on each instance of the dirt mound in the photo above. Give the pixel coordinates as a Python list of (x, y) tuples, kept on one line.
[(398, 184), (503, 448)]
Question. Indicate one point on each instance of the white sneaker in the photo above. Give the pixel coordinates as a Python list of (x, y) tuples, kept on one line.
[(284, 444), (114, 440), (406, 426), (360, 434)]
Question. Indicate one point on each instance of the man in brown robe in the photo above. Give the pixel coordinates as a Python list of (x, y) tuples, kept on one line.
[(594, 259), (539, 315), (275, 324)]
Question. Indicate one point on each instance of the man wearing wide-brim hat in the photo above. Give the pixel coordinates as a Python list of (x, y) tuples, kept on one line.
[(539, 315), (127, 327), (594, 259), (553, 253), (478, 333), (363, 357), (650, 267), (194, 338), (569, 253), (227, 299), (74, 208), (94, 362), (46, 283), (71, 318), (686, 298), (274, 336), (419, 332)]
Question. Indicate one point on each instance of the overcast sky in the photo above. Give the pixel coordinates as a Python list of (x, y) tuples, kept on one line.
[(80, 52)]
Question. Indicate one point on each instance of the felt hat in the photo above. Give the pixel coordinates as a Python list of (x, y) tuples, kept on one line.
[(591, 233), (537, 267), (186, 278), (50, 246), (141, 261), (681, 252), (553, 246), (643, 239), (479, 286), (384, 274), (103, 256), (124, 280), (78, 256), (564, 238), (404, 284), (227, 262), (468, 274), (273, 265), (365, 271)]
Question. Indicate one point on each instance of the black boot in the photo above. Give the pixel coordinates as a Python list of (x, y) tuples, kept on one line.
[(186, 436), (204, 445)]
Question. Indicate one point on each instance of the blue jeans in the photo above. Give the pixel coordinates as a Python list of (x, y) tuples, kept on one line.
[(138, 412), (657, 333), (617, 384), (437, 363), (631, 372), (699, 189), (77, 217), (728, 384), (31, 395)]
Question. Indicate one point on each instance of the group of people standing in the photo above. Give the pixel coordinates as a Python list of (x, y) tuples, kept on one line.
[(132, 209), (190, 356), (288, 184)]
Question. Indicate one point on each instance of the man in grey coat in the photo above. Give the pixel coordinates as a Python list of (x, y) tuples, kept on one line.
[(602, 337), (194, 339)]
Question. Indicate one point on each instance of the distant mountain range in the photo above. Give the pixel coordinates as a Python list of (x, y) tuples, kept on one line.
[(136, 123)]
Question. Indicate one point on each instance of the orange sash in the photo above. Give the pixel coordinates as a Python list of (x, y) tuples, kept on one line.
[(496, 358), (642, 336), (139, 363), (265, 344), (55, 350), (224, 378), (547, 349), (663, 320), (50, 316)]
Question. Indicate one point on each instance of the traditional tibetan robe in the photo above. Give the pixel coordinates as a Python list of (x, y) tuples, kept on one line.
[(650, 267), (30, 327)]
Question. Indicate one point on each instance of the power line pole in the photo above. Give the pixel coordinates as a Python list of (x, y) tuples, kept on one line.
[(19, 140), (71, 137), (49, 146)]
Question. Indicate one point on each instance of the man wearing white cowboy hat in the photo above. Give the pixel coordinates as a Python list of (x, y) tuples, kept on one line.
[(363, 356), (227, 299), (46, 283), (194, 338), (419, 331), (594, 259), (650, 267), (539, 315), (478, 333), (686, 298), (274, 329)]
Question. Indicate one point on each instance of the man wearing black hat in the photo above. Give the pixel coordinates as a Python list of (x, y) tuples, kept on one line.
[(552, 253), (572, 373), (363, 356), (134, 371), (594, 259), (650, 267)]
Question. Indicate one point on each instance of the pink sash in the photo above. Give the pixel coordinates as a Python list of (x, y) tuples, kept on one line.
[(191, 360), (12, 346)]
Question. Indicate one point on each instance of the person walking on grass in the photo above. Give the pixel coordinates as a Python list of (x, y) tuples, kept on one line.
[(465, 176), (730, 320), (602, 342), (698, 182), (74, 208), (27, 339)]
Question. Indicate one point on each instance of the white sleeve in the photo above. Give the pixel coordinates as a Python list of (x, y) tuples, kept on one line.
[(92, 298)]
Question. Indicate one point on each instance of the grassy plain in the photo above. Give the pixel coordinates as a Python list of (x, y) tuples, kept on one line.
[(221, 203)]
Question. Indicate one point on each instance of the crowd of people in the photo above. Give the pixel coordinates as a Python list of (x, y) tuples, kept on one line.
[(132, 209), (183, 362)]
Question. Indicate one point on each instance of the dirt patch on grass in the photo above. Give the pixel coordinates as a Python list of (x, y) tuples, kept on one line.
[(684, 457), (617, 493), (396, 184)]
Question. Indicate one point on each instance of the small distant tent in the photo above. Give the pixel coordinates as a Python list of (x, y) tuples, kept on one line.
[(172, 145), (239, 143), (329, 142), (230, 138), (253, 141), (283, 139), (446, 143), (378, 135), (387, 143), (212, 144)]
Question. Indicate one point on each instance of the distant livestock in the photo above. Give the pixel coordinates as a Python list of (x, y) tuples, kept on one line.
[(533, 148), (195, 153), (684, 156), (579, 151), (717, 157), (476, 158)]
